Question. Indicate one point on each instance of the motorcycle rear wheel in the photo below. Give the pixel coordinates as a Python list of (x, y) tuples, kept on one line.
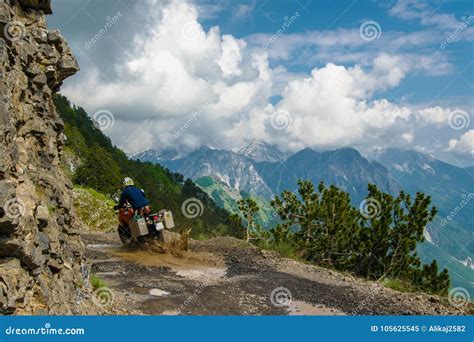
[(157, 235), (125, 235)]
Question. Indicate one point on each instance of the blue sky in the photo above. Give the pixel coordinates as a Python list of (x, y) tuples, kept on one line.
[(267, 16), (191, 73)]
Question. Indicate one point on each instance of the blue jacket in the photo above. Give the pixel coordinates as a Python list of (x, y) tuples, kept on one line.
[(134, 196)]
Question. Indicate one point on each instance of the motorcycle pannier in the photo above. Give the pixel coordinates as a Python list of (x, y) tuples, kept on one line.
[(138, 227), (168, 219)]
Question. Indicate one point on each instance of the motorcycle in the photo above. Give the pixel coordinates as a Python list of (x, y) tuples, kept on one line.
[(136, 228)]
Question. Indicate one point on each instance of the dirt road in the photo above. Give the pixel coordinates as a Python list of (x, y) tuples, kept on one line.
[(225, 276)]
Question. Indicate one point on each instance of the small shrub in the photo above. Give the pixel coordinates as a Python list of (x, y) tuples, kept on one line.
[(97, 282), (398, 285), (95, 209), (286, 249)]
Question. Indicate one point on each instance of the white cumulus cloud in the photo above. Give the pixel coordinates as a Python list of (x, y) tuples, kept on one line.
[(465, 144), (182, 85)]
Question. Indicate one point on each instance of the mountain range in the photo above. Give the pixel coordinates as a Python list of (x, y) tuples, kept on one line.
[(260, 170), (345, 168)]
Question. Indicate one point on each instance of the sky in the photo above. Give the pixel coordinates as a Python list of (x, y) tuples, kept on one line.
[(322, 74)]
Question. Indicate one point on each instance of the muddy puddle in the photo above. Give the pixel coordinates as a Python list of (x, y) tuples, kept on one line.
[(102, 246), (199, 266), (203, 274), (300, 308)]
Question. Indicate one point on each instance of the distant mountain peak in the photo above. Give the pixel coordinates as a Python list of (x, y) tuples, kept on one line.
[(156, 155), (260, 151), (349, 151), (136, 155), (401, 153), (408, 161), (307, 151)]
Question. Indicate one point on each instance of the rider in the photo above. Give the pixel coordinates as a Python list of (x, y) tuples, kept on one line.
[(135, 197)]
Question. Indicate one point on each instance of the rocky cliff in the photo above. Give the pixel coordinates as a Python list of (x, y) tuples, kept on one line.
[(42, 269)]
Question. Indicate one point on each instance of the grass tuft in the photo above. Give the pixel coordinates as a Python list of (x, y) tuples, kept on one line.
[(398, 285), (95, 209), (97, 282), (284, 248)]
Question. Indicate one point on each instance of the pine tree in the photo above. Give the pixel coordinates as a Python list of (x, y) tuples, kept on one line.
[(428, 279), (391, 233), (326, 223), (236, 227), (300, 212), (248, 207), (376, 242)]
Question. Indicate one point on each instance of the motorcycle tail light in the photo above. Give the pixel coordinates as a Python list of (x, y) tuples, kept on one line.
[(155, 218)]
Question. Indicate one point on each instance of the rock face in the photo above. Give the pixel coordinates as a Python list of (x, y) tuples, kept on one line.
[(44, 5), (42, 269)]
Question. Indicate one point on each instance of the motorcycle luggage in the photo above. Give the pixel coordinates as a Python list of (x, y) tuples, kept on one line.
[(159, 226), (152, 221), (138, 227), (168, 219)]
